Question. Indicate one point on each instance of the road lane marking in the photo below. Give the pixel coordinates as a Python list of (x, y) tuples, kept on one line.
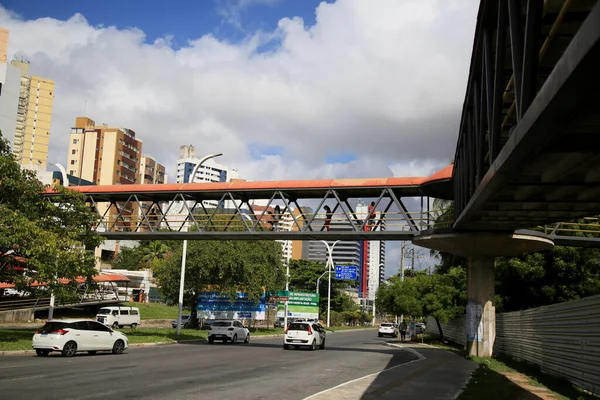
[(420, 357), (23, 377)]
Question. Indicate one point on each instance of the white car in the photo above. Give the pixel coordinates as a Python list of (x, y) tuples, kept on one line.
[(304, 334), (228, 330), (70, 336), (387, 329)]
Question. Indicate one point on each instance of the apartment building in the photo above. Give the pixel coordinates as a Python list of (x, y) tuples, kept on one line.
[(33, 119), (106, 156)]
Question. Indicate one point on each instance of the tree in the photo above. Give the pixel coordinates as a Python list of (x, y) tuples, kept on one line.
[(441, 296), (128, 258), (56, 238), (225, 266), (548, 277)]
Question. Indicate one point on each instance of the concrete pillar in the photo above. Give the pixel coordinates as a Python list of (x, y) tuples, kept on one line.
[(481, 312), (480, 249)]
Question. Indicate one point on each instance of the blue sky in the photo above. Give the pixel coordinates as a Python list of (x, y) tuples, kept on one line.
[(230, 20)]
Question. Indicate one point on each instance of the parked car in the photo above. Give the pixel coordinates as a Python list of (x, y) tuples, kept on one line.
[(118, 317), (304, 334), (228, 330), (387, 329), (185, 322), (76, 335)]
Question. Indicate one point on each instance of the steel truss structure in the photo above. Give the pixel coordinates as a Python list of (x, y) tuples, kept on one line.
[(529, 122), (283, 216)]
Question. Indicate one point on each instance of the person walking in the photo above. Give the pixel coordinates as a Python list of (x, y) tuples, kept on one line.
[(328, 216), (403, 327)]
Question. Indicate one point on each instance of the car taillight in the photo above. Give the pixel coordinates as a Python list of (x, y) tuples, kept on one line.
[(287, 329), (60, 331), (37, 331), (309, 330), (380, 326)]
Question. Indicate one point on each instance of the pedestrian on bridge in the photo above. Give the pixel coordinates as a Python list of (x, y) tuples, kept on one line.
[(328, 216)]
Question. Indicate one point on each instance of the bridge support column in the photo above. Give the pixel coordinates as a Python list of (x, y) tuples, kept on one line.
[(481, 310), (480, 249)]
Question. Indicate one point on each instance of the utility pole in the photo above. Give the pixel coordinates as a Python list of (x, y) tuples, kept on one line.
[(402, 261)]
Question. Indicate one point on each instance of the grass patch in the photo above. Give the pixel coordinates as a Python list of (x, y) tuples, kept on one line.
[(489, 382), (156, 310), (16, 339), (154, 335), (348, 328)]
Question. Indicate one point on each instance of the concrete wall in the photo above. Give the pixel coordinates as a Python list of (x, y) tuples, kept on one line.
[(16, 316)]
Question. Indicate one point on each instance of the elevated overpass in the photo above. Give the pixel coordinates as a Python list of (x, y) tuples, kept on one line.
[(527, 152)]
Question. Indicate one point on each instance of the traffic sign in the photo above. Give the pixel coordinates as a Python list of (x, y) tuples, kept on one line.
[(347, 272)]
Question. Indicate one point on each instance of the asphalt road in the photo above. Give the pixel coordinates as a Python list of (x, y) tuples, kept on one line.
[(258, 370)]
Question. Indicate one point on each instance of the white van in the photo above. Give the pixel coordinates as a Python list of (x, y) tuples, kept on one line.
[(117, 317)]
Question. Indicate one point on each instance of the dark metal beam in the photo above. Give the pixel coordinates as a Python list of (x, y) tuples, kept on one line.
[(531, 51), (516, 46)]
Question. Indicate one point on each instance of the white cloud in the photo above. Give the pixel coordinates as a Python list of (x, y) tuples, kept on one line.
[(383, 80)]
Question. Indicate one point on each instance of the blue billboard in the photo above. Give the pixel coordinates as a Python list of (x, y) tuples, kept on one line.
[(215, 305)]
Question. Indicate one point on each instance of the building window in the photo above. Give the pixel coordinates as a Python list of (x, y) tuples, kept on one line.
[(72, 162), (75, 141), (73, 151)]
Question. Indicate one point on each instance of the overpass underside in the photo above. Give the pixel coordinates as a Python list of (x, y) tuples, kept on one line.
[(528, 152)]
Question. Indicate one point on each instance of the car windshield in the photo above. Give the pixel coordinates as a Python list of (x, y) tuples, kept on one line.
[(386, 325), (298, 327), (222, 323), (54, 326), (104, 311)]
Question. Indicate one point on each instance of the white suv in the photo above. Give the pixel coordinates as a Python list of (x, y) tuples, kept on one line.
[(228, 330), (70, 336), (304, 334), (387, 328)]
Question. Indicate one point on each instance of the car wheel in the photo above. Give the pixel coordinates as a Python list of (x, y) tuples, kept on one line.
[(115, 325), (186, 325), (286, 346), (211, 341), (234, 340), (42, 353), (313, 346), (118, 347), (379, 335), (322, 346), (92, 352), (247, 340), (133, 326), (69, 349)]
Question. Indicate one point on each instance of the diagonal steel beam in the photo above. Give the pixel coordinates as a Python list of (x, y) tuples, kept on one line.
[(404, 212), (345, 213)]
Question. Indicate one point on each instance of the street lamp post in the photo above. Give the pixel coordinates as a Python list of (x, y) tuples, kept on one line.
[(329, 268), (182, 280)]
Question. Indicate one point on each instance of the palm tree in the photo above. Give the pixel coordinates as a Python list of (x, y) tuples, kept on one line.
[(155, 250)]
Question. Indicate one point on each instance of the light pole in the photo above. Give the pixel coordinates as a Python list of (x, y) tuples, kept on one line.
[(329, 268), (182, 280)]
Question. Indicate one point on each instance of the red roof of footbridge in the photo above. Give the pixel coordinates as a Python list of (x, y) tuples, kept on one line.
[(436, 185), (97, 278)]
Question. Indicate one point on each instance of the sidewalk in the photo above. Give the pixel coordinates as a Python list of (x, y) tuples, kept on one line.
[(437, 374)]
